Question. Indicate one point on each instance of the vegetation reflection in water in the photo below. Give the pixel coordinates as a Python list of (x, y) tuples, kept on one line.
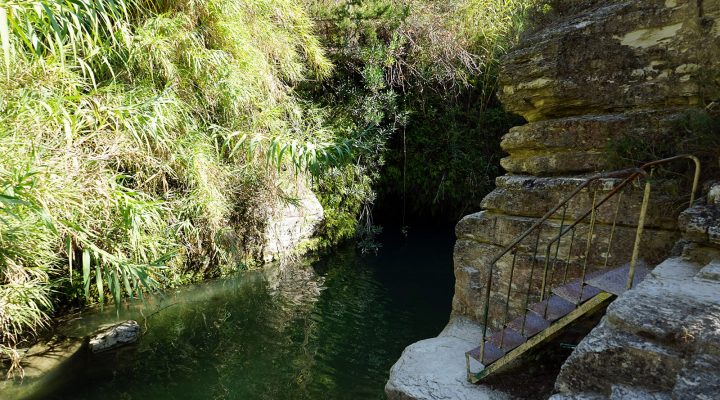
[(327, 329)]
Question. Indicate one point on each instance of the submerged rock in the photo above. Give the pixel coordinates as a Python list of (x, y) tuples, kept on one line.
[(115, 336)]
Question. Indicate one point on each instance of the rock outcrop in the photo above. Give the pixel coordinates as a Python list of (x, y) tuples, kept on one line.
[(292, 222), (605, 57), (435, 368), (662, 337), (659, 337), (114, 336)]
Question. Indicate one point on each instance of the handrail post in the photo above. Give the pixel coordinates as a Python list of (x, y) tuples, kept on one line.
[(507, 299), (588, 247), (612, 230), (696, 179), (638, 234), (486, 316), (530, 280)]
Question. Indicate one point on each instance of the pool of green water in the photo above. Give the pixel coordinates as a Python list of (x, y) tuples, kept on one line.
[(324, 329)]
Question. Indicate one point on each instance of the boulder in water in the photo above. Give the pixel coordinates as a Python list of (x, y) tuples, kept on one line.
[(114, 336)]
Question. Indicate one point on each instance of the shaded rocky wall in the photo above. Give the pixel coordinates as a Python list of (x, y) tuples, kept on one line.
[(592, 72)]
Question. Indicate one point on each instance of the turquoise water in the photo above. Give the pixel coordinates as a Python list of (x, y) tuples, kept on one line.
[(327, 329)]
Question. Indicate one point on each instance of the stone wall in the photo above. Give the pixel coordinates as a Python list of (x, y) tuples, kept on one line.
[(592, 72)]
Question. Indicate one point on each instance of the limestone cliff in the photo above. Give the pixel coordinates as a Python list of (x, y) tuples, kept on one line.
[(592, 72)]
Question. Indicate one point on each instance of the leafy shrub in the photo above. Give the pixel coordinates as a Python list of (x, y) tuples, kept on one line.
[(694, 132), (419, 79), (141, 142)]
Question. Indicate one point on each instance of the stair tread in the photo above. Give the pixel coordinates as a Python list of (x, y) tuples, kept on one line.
[(506, 339), (533, 324), (556, 309), (571, 291), (492, 353), (615, 281)]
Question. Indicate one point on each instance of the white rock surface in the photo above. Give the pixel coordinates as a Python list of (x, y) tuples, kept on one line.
[(713, 197), (622, 392), (711, 271), (115, 336), (580, 396), (292, 222), (434, 369)]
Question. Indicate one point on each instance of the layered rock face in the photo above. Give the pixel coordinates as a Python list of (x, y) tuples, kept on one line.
[(595, 72), (599, 57), (603, 69)]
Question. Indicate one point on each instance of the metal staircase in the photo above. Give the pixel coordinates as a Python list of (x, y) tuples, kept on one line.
[(570, 285)]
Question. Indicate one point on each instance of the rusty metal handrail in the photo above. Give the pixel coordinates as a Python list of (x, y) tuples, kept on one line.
[(642, 171), (630, 175)]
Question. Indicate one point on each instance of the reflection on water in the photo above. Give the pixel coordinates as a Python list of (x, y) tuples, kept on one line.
[(328, 329)]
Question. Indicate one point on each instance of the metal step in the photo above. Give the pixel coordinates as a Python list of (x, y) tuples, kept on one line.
[(533, 324), (492, 353), (557, 308), (615, 281), (541, 317), (506, 339), (576, 292), (494, 364)]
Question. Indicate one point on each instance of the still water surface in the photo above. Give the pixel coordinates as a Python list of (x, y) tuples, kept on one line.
[(324, 329)]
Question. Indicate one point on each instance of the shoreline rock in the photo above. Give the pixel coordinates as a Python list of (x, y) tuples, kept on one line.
[(435, 368), (114, 336)]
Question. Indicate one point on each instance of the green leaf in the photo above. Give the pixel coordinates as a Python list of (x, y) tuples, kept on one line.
[(117, 289), (99, 283), (86, 272), (12, 200), (5, 39), (126, 281), (69, 251)]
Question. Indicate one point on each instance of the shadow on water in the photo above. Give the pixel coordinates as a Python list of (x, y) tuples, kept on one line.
[(328, 329)]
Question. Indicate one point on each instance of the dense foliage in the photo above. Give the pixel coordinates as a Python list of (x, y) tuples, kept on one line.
[(142, 141), (128, 141), (419, 78)]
